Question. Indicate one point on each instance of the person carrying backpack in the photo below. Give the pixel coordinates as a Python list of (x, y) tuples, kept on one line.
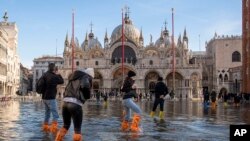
[(161, 91), (51, 79), (77, 92), (129, 87)]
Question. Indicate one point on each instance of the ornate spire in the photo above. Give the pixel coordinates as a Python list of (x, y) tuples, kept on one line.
[(106, 36), (66, 42), (86, 36), (151, 39), (185, 38), (5, 16), (161, 37), (91, 34), (126, 18), (179, 40), (215, 34), (141, 36), (165, 23)]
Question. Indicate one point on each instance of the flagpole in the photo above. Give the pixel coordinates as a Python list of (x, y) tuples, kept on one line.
[(173, 50), (122, 47), (73, 43)]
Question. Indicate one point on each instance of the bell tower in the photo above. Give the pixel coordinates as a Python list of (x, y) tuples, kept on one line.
[(246, 46)]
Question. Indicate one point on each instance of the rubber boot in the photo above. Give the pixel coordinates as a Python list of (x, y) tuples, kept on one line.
[(45, 127), (161, 115), (225, 104), (135, 123), (125, 125), (77, 137), (60, 134), (213, 105), (105, 103), (53, 127), (152, 114)]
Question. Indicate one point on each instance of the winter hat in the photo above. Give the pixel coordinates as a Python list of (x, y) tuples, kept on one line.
[(90, 71), (131, 74), (81, 69)]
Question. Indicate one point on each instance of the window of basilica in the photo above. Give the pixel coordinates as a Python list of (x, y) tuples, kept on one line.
[(129, 55)]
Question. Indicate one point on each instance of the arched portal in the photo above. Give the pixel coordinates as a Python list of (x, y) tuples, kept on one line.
[(195, 85), (223, 91), (150, 81), (97, 81), (178, 82), (118, 78)]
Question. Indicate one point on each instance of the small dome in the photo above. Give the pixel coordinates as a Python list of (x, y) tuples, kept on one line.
[(165, 41), (130, 31), (91, 43)]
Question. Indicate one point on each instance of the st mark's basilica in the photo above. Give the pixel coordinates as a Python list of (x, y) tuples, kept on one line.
[(147, 61)]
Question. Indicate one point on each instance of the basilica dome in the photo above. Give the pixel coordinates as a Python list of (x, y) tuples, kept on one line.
[(164, 40), (130, 31), (91, 42)]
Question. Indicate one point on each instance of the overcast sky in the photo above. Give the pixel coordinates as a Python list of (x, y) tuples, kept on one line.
[(43, 24)]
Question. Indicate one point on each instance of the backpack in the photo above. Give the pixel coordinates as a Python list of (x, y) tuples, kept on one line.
[(41, 85), (80, 88)]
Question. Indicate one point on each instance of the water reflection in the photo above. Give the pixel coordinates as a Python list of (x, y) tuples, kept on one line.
[(184, 120)]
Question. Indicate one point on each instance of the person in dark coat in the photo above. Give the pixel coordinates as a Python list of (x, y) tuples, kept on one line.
[(77, 92), (52, 79), (206, 97), (161, 90)]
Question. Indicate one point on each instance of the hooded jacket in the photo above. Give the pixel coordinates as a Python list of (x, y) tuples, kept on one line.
[(76, 86)]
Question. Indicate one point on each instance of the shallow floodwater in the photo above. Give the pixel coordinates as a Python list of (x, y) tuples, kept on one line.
[(184, 120)]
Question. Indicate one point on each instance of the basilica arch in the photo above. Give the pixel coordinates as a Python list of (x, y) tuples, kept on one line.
[(118, 77), (195, 85), (150, 81), (178, 82), (97, 81), (223, 91)]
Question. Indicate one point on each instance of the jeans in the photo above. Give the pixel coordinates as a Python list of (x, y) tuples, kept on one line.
[(158, 101), (74, 111), (50, 107), (129, 105)]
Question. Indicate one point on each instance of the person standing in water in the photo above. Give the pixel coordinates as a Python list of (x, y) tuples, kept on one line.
[(77, 92), (129, 87), (161, 90)]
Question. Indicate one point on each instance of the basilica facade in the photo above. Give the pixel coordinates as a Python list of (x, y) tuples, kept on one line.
[(147, 61)]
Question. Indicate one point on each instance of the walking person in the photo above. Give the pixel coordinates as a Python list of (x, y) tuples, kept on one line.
[(206, 98), (213, 98), (129, 87), (51, 78), (77, 92), (225, 98), (161, 90)]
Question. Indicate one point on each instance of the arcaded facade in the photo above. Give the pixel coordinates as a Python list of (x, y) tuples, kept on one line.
[(147, 61)]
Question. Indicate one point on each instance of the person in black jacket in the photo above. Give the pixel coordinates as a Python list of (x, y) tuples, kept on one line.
[(52, 79), (77, 92), (129, 87), (161, 91)]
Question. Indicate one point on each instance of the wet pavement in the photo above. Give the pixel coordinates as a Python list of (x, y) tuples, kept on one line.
[(184, 121)]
